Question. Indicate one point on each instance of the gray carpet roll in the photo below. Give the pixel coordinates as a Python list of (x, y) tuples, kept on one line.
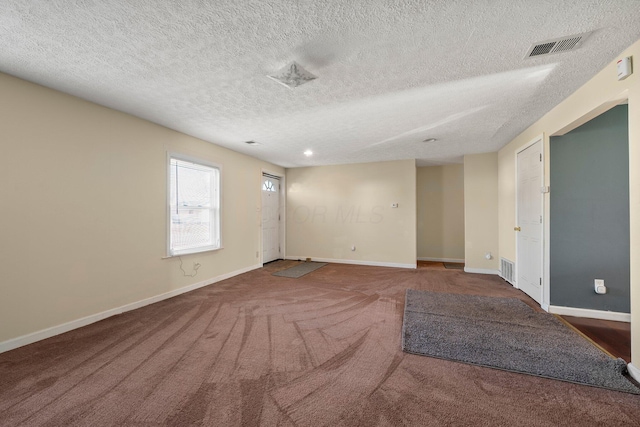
[(505, 333)]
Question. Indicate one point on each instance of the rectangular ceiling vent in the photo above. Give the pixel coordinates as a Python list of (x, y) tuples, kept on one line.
[(563, 44)]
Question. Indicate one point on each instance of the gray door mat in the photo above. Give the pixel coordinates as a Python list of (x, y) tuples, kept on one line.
[(300, 269), (454, 265)]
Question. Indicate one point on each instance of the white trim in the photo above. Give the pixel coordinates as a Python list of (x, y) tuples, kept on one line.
[(621, 98), (283, 212), (633, 371), (78, 323), (546, 226), (593, 314), (218, 223), (481, 271), (458, 260), (358, 262), (544, 289)]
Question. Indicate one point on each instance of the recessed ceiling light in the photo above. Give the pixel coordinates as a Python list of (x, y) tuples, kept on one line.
[(308, 153), (430, 140)]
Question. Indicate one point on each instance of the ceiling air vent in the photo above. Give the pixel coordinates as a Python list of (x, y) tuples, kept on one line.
[(563, 44), (292, 75)]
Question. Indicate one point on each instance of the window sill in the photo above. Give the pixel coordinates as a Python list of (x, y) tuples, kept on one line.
[(193, 253)]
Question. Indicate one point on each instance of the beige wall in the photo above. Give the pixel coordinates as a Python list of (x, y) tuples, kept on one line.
[(83, 192), (331, 208), (600, 93), (481, 212), (440, 204)]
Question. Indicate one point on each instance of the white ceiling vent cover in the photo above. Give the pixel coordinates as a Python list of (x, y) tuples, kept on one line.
[(563, 44), (292, 75)]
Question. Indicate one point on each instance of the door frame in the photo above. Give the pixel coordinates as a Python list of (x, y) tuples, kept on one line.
[(544, 289), (283, 212)]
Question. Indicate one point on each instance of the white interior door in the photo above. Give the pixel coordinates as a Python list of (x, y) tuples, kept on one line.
[(529, 220), (270, 218)]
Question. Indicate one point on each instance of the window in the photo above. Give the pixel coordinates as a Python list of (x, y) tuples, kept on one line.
[(268, 185), (194, 206)]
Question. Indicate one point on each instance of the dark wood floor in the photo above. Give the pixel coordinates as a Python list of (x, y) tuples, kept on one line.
[(613, 337)]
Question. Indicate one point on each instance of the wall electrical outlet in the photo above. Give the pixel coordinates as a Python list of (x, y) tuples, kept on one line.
[(599, 286)]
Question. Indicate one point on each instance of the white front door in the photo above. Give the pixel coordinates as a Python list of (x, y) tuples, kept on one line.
[(270, 218), (529, 220)]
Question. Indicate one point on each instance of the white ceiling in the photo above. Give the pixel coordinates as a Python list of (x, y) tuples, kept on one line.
[(390, 73)]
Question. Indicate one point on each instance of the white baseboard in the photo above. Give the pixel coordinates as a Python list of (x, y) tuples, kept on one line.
[(458, 260), (634, 372), (481, 271), (78, 323), (593, 314), (357, 262)]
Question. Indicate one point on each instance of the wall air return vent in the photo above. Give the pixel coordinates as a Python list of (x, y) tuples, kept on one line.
[(563, 44), (507, 270)]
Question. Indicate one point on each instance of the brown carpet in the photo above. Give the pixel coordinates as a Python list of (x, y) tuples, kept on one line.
[(262, 350)]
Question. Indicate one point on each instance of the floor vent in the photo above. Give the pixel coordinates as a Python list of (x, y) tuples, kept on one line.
[(562, 44), (507, 270)]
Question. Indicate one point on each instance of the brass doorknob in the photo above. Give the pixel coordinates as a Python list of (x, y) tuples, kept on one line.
[(516, 228)]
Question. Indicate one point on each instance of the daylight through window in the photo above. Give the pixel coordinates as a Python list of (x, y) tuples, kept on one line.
[(194, 206), (268, 186)]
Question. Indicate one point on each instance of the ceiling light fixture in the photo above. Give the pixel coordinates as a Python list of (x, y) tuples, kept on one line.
[(430, 140), (292, 75), (308, 153)]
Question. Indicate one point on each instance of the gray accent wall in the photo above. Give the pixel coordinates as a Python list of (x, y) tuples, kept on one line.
[(589, 222)]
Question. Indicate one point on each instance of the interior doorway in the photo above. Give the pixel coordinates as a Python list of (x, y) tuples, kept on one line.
[(529, 215), (589, 218), (271, 218)]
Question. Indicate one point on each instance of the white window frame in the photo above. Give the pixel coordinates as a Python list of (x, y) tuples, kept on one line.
[(216, 209)]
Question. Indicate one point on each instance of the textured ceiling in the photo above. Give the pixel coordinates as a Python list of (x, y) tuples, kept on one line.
[(390, 73)]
